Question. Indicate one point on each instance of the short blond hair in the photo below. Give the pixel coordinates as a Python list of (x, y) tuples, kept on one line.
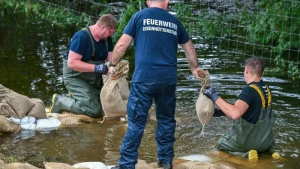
[(109, 20)]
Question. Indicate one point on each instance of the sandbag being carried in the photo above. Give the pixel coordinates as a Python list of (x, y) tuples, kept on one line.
[(114, 93), (204, 106)]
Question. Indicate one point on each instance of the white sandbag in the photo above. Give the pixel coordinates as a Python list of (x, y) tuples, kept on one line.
[(197, 157), (24, 120), (47, 124), (28, 126), (91, 165)]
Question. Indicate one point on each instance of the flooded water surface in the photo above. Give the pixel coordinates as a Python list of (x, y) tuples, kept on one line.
[(31, 55)]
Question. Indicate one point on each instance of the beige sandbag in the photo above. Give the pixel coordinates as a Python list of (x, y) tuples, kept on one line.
[(53, 165), (18, 165), (38, 110), (114, 93), (4, 166), (19, 103), (142, 164), (195, 165), (72, 119), (204, 106), (6, 110), (7, 126)]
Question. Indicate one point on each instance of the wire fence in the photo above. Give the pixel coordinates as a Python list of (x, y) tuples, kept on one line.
[(243, 28)]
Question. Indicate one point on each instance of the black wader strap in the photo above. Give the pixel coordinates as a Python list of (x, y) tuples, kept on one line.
[(92, 41), (106, 44)]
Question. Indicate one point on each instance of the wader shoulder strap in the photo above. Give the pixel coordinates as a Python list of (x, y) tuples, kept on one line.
[(269, 96), (92, 40), (259, 91), (266, 107), (106, 44)]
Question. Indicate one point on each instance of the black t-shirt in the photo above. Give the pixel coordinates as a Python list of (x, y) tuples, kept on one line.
[(253, 99)]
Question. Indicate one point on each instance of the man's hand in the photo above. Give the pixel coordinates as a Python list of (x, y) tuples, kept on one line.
[(198, 73), (211, 93), (111, 73), (101, 68)]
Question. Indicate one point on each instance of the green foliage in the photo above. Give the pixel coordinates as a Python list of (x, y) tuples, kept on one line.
[(274, 71), (57, 16), (182, 10), (293, 70), (184, 14), (126, 15), (212, 25), (276, 24)]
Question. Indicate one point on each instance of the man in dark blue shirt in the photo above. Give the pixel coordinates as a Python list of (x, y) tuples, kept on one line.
[(83, 67), (156, 35)]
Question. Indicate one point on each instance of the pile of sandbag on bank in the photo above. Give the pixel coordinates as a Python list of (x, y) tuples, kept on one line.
[(114, 93), (21, 112)]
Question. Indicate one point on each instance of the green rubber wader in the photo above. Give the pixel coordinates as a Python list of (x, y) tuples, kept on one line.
[(85, 90), (244, 136)]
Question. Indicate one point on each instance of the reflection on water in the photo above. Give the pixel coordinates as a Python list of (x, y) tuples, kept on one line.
[(31, 55)]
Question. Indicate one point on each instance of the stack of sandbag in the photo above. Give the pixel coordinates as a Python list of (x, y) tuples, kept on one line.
[(204, 106), (18, 106), (114, 93)]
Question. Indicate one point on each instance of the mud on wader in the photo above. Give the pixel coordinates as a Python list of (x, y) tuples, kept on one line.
[(244, 136), (84, 87)]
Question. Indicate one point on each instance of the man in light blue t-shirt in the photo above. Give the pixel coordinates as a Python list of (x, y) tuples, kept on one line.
[(156, 35)]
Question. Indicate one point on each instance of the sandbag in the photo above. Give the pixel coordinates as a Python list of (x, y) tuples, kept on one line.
[(73, 119), (54, 165), (202, 165), (19, 103), (114, 93), (93, 165), (204, 106), (6, 110), (7, 126), (48, 124), (18, 165), (38, 110)]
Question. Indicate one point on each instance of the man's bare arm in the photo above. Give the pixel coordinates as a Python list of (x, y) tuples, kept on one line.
[(120, 48), (233, 111), (75, 63), (191, 56)]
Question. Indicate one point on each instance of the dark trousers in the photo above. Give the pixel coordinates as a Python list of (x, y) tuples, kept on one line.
[(139, 102)]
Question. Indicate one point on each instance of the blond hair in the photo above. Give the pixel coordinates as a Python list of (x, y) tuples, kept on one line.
[(108, 20)]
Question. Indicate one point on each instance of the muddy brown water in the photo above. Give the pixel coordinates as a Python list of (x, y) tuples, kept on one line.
[(31, 54)]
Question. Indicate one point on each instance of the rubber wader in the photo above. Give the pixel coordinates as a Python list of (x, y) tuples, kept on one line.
[(244, 136), (84, 88)]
